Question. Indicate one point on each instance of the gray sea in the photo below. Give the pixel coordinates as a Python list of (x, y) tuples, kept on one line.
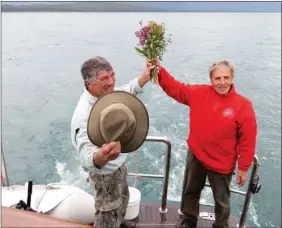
[(41, 84)]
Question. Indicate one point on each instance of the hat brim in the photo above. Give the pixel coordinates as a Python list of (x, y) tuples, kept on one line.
[(134, 104)]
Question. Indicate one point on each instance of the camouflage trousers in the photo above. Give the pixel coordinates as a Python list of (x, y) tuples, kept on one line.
[(111, 196)]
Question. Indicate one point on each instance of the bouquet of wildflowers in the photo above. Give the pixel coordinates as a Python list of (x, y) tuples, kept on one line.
[(152, 43)]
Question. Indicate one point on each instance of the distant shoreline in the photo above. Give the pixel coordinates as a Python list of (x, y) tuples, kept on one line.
[(120, 7)]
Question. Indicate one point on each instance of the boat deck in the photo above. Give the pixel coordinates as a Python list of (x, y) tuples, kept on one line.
[(12, 217), (150, 216)]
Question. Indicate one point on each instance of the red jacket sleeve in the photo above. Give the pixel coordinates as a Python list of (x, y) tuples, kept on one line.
[(175, 89), (247, 137)]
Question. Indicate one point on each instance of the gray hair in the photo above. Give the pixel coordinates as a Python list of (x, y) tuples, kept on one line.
[(91, 68), (219, 64)]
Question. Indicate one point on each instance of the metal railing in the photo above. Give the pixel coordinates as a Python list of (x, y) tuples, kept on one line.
[(163, 208), (4, 175), (253, 188)]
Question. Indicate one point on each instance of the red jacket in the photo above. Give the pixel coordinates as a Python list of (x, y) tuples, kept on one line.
[(222, 127)]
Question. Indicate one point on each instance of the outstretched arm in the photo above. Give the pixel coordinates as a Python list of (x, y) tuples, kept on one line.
[(179, 91), (135, 86)]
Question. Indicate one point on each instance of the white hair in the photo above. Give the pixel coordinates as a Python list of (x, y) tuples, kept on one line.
[(219, 64)]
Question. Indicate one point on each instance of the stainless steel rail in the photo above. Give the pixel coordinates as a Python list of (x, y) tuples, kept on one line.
[(253, 186), (163, 208), (4, 175)]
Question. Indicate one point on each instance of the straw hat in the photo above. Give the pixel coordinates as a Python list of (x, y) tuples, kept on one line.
[(118, 116)]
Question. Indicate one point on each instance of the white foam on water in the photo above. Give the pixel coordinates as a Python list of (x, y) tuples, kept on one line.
[(75, 177), (269, 224), (177, 175), (253, 213)]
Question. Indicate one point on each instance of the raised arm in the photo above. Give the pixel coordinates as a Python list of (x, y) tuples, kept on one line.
[(179, 91), (135, 86), (132, 87)]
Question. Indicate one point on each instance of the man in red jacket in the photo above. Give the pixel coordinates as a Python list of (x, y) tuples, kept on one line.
[(223, 130)]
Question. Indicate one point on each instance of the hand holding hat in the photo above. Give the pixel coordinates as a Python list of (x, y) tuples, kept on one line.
[(110, 151), (118, 117)]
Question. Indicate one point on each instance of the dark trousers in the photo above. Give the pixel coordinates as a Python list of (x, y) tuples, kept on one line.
[(195, 183)]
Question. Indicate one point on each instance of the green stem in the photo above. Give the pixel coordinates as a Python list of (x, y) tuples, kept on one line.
[(154, 73), (154, 76)]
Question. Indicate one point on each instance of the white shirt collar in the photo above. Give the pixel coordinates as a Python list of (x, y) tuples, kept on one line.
[(88, 96)]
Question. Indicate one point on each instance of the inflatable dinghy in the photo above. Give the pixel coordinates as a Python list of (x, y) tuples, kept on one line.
[(62, 201)]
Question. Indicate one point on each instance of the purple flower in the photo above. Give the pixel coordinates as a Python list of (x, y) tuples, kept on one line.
[(142, 35), (142, 42)]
